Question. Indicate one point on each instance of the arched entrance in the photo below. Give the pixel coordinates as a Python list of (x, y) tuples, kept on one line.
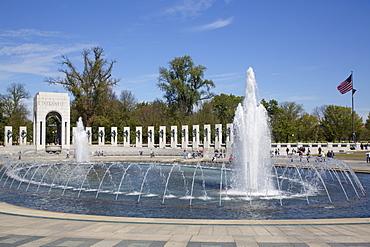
[(51, 125), (53, 132)]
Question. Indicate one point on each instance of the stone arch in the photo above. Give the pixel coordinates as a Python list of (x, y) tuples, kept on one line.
[(49, 109), (53, 128)]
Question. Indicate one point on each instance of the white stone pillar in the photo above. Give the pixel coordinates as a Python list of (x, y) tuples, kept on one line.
[(113, 136), (162, 136), (206, 136), (89, 135), (126, 136), (101, 136), (22, 135), (150, 136), (184, 137), (139, 137), (218, 136), (173, 136), (8, 136), (195, 137), (229, 136)]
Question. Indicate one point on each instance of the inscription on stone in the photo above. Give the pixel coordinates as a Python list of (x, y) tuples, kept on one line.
[(51, 103)]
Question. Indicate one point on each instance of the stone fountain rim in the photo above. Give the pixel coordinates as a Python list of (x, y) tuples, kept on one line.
[(8, 209)]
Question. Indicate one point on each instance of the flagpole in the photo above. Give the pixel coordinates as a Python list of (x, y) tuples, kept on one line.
[(353, 110)]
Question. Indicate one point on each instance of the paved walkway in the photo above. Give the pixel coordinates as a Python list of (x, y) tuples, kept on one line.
[(28, 227)]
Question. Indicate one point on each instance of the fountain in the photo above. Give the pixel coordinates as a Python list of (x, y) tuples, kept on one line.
[(252, 144), (254, 186), (81, 142)]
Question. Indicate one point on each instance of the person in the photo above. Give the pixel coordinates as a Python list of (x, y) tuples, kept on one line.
[(141, 153), (67, 156), (368, 157), (151, 153), (319, 150), (287, 151), (231, 159), (20, 155)]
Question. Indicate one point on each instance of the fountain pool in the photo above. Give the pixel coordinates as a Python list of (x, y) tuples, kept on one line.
[(307, 190), (253, 187)]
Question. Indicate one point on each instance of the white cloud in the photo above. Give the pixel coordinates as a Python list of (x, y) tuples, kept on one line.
[(35, 59), (301, 98), (141, 80), (24, 33), (226, 76), (214, 25), (190, 8)]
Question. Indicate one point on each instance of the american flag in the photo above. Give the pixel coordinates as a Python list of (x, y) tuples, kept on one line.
[(345, 86)]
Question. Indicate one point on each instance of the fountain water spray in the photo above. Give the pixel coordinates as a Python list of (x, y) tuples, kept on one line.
[(252, 142), (81, 142)]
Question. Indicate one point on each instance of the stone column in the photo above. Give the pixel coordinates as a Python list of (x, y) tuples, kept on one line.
[(89, 135), (8, 138), (126, 136), (229, 136), (184, 137), (195, 137), (101, 136), (150, 136), (206, 136), (22, 135), (173, 136), (162, 136), (139, 137), (113, 136), (218, 136)]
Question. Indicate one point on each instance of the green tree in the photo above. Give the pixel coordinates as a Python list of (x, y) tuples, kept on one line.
[(184, 85), (367, 123), (273, 111), (224, 107), (336, 123), (91, 88), (204, 115), (286, 125), (14, 111), (308, 128)]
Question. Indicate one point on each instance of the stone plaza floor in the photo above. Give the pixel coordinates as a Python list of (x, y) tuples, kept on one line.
[(28, 227)]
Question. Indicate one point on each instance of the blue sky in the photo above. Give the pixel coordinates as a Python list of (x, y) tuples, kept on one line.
[(300, 50)]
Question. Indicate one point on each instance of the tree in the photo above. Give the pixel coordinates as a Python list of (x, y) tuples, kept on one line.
[(273, 111), (286, 125), (224, 107), (14, 111), (91, 88), (367, 123), (308, 128), (184, 85), (128, 100), (336, 123)]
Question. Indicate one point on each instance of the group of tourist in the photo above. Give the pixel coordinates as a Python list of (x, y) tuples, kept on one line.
[(193, 154), (364, 146), (219, 154), (300, 151), (99, 153)]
